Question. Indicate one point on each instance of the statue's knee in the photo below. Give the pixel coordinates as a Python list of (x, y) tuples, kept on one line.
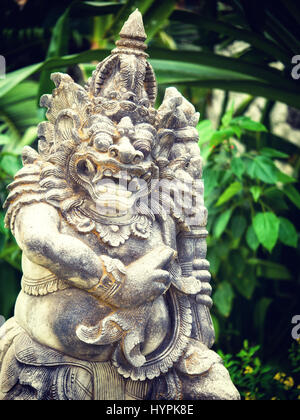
[(203, 375)]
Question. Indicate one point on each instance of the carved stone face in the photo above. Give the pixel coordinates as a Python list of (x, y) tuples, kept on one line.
[(115, 167)]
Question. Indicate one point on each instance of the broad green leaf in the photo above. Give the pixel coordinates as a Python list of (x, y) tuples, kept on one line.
[(256, 192), (251, 238), (221, 135), (223, 298), (227, 117), (247, 124), (10, 164), (284, 178), (237, 130), (262, 168), (230, 192), (14, 78), (266, 226), (18, 111), (292, 194), (29, 136), (205, 131), (273, 153), (238, 167), (221, 223), (243, 70), (4, 139), (287, 232), (170, 71)]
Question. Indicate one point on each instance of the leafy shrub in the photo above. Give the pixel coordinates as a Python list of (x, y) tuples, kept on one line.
[(249, 202), (256, 380)]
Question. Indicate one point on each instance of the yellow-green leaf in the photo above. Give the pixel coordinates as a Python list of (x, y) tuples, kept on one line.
[(230, 191)]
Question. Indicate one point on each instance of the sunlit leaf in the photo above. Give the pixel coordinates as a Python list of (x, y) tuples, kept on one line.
[(266, 226), (227, 117), (256, 192), (230, 192), (222, 222), (247, 123), (205, 131), (10, 164)]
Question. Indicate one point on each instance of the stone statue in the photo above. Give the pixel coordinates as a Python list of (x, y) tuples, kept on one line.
[(109, 213)]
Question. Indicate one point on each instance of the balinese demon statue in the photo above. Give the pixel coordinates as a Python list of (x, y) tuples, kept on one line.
[(115, 300)]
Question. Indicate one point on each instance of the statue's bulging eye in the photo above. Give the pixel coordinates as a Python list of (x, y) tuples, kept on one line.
[(102, 142), (85, 168), (143, 146)]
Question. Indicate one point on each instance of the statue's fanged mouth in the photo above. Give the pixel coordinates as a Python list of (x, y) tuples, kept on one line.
[(115, 190)]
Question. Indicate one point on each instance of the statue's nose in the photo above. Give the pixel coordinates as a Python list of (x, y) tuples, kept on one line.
[(125, 152)]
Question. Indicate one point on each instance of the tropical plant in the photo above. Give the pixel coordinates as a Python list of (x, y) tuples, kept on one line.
[(257, 380), (253, 240)]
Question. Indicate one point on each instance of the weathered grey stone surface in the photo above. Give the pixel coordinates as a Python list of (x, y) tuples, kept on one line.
[(110, 217)]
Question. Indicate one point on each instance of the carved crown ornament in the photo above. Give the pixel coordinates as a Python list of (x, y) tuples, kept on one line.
[(110, 217)]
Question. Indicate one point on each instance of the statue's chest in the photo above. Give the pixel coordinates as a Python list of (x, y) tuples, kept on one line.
[(120, 241)]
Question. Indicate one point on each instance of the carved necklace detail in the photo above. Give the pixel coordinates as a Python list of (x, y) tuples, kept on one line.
[(115, 235), (111, 232)]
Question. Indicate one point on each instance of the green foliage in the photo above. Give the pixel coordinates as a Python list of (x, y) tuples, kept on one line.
[(257, 380), (249, 224)]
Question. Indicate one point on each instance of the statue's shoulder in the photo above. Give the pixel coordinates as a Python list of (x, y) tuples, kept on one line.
[(25, 189)]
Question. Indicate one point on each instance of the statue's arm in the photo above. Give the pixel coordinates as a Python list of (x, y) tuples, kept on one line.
[(37, 234)]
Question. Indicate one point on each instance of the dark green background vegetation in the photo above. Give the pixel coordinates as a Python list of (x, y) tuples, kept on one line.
[(253, 206)]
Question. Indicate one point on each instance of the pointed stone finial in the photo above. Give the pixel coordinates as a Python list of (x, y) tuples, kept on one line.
[(132, 36), (134, 27)]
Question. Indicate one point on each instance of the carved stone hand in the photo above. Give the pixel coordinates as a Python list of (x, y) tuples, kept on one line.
[(200, 271), (145, 279)]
